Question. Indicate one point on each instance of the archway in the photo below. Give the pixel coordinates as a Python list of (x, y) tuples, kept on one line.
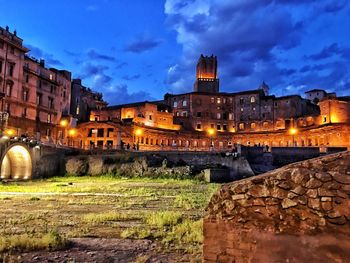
[(17, 163)]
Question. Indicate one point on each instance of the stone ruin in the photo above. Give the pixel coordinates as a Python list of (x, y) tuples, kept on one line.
[(298, 213)]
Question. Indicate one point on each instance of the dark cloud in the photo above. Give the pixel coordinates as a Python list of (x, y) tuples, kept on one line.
[(89, 70), (326, 52), (40, 54), (121, 65), (142, 44), (94, 55), (120, 94), (335, 6), (131, 77)]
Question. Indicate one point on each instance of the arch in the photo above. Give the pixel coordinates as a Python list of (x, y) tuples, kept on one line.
[(16, 163)]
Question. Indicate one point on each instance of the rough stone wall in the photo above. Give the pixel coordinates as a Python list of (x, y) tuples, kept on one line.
[(298, 213)]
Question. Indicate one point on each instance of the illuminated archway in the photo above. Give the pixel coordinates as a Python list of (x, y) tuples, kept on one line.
[(17, 163)]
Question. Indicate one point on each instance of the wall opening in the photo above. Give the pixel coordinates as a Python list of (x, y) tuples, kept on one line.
[(16, 164)]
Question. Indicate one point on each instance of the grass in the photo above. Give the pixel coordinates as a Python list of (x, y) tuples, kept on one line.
[(25, 242), (166, 211)]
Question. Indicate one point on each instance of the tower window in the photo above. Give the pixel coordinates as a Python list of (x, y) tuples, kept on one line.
[(252, 99), (184, 103)]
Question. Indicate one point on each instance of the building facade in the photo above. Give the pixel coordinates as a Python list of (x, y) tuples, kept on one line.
[(207, 119), (34, 98)]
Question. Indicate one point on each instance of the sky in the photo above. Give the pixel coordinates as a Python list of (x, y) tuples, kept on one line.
[(135, 50)]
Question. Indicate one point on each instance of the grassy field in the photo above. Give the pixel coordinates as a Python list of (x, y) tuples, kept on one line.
[(46, 214)]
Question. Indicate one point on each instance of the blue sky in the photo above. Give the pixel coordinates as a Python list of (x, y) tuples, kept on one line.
[(138, 50)]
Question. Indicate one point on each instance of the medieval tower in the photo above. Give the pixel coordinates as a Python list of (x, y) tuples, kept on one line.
[(207, 75)]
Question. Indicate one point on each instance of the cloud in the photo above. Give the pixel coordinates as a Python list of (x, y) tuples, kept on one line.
[(121, 65), (142, 44), (40, 54), (120, 94), (94, 55), (255, 40), (132, 77)]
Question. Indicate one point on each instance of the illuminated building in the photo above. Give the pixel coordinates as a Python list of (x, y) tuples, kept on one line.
[(207, 118), (34, 97)]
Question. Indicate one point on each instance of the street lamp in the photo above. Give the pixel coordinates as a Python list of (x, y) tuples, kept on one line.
[(63, 123), (71, 134), (211, 133), (293, 131)]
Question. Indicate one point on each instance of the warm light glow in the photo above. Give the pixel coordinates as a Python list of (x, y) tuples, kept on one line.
[(138, 132), (17, 163), (211, 132), (63, 123), (10, 132), (72, 132), (293, 131)]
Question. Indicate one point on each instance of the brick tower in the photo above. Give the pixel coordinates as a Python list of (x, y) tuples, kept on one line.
[(206, 75)]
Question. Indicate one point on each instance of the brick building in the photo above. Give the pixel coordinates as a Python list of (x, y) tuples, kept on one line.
[(207, 118), (34, 98), (84, 100)]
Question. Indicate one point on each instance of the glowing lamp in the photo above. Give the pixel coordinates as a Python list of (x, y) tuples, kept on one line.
[(10, 132), (63, 123), (293, 131), (211, 132), (138, 132), (72, 132)]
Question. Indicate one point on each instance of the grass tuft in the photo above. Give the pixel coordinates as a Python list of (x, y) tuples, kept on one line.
[(106, 217), (165, 218), (136, 233)]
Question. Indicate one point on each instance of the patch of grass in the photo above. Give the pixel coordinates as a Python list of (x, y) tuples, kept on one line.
[(25, 242), (188, 234), (165, 218), (136, 233), (107, 216), (34, 198)]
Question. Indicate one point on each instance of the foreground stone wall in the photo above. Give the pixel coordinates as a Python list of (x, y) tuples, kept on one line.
[(298, 213)]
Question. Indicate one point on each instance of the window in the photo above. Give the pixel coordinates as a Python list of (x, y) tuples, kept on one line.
[(7, 107), (218, 127), (218, 115), (184, 103), (199, 126), (25, 95), (199, 114), (51, 77), (230, 116), (38, 98), (231, 100), (48, 132), (100, 132), (241, 126), (52, 89), (325, 119), (184, 114), (276, 104), (90, 133), (150, 117), (24, 114), (252, 99), (224, 127), (27, 78), (253, 125), (11, 69), (8, 89), (265, 124), (49, 118), (241, 100), (77, 110), (212, 99), (110, 132), (175, 104), (177, 114), (224, 100), (263, 115), (212, 125), (241, 109), (254, 109), (50, 103), (218, 100)]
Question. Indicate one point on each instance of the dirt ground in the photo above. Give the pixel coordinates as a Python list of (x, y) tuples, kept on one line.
[(104, 219)]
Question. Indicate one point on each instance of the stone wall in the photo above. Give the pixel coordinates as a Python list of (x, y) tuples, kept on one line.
[(298, 213)]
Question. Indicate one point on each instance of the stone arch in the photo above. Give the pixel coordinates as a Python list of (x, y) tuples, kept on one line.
[(17, 163)]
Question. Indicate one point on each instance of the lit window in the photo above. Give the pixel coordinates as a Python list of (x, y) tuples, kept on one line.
[(252, 99), (49, 118), (265, 124), (175, 104), (241, 126), (254, 109), (218, 100), (253, 125), (212, 99), (218, 116), (241, 109), (184, 103), (77, 111), (224, 100)]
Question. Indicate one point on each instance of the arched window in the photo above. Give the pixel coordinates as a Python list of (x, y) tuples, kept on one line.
[(252, 99)]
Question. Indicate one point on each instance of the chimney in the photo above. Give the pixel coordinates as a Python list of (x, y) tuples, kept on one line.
[(7, 28), (42, 63), (15, 32)]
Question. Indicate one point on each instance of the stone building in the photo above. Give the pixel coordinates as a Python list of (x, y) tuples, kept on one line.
[(207, 119), (34, 98), (84, 100)]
